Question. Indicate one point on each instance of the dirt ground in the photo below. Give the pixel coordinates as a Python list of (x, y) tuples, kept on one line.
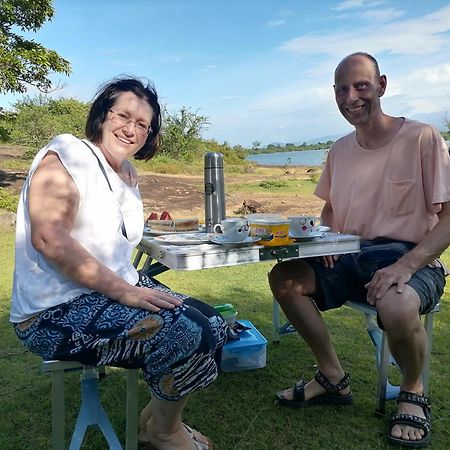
[(183, 195)]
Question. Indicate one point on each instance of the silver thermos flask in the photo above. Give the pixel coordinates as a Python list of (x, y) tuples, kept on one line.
[(214, 190)]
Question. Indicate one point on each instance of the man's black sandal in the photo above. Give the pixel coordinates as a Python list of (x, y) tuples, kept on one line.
[(412, 421), (332, 396)]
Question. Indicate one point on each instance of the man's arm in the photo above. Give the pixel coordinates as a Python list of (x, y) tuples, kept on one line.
[(326, 215), (327, 218), (399, 273)]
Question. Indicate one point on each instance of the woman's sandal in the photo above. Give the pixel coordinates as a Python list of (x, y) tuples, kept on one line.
[(331, 396), (412, 421), (145, 445)]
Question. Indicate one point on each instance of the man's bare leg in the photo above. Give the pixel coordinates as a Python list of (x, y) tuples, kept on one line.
[(292, 283), (408, 343)]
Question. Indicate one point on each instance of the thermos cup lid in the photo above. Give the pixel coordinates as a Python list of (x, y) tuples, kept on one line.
[(213, 160)]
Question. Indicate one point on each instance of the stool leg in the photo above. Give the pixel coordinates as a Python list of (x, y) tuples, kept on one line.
[(92, 413), (382, 375), (427, 363), (58, 410), (276, 322), (385, 390), (132, 410)]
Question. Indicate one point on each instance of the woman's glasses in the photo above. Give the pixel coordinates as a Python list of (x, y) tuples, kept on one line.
[(123, 119)]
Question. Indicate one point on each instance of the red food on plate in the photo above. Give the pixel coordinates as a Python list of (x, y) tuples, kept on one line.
[(165, 216), (153, 216)]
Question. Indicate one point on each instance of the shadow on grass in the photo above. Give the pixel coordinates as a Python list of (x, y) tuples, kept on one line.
[(11, 178)]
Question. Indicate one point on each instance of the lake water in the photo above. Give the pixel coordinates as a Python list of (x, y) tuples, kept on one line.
[(304, 158)]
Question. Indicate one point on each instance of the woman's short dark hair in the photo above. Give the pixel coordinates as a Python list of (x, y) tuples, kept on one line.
[(104, 101)]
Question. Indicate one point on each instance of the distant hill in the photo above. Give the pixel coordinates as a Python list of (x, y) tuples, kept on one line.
[(330, 137)]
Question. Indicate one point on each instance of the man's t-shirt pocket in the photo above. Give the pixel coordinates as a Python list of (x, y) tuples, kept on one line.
[(400, 197)]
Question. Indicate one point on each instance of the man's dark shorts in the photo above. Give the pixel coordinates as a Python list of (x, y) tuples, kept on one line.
[(346, 280)]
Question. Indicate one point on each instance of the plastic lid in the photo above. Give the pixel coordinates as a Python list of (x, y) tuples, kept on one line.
[(224, 307), (269, 222)]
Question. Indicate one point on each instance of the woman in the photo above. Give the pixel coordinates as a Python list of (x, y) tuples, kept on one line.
[(76, 295)]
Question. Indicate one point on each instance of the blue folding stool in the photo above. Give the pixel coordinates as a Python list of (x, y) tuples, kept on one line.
[(91, 410)]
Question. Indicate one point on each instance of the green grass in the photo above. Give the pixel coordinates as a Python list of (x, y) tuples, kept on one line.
[(238, 411), (289, 185), (8, 200), (16, 164)]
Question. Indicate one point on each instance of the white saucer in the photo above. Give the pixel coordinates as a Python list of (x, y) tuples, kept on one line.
[(217, 239), (318, 232)]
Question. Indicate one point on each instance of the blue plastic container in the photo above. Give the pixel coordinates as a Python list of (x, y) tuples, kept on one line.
[(249, 352)]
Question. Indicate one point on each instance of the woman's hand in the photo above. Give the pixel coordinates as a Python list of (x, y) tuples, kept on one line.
[(148, 298)]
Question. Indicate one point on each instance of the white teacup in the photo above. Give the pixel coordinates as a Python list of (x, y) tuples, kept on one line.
[(303, 225), (234, 229)]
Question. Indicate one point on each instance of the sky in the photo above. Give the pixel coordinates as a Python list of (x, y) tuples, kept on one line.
[(259, 70)]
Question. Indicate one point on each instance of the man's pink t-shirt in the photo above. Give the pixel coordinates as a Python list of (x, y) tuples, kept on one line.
[(394, 191)]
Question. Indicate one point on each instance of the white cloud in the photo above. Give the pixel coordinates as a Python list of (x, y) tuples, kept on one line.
[(409, 37), (352, 4), (285, 13), (231, 97), (209, 68), (421, 91), (276, 23), (168, 59), (382, 15)]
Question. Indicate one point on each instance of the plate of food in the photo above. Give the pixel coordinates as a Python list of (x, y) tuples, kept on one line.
[(183, 238), (164, 224)]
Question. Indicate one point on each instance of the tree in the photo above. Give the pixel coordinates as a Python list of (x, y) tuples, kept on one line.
[(39, 119), (25, 62), (181, 133), (256, 145)]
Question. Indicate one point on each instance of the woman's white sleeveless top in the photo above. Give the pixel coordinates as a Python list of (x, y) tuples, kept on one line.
[(37, 284)]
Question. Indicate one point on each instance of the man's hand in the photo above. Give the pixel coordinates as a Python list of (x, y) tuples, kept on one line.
[(383, 279), (148, 298), (329, 260)]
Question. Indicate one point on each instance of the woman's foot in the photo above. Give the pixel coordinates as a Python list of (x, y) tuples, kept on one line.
[(184, 438)]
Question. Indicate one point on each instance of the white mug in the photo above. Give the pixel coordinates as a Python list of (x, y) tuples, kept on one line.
[(303, 225), (234, 229)]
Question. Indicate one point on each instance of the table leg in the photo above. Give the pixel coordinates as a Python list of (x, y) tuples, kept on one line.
[(132, 410), (58, 413)]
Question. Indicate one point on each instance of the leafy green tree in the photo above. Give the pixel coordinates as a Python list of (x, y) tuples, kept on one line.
[(39, 119), (25, 62), (181, 134), (7, 119)]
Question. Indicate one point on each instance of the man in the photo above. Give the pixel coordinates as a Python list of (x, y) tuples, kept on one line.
[(389, 182)]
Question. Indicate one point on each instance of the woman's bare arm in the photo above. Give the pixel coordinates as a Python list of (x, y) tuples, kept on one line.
[(53, 204)]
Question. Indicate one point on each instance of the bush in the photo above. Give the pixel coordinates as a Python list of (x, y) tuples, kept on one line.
[(272, 184), (166, 165), (8, 201), (38, 120)]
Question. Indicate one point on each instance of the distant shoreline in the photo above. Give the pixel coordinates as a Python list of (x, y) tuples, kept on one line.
[(288, 166)]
